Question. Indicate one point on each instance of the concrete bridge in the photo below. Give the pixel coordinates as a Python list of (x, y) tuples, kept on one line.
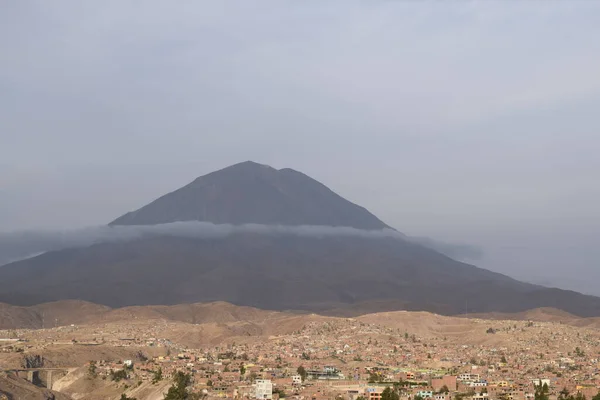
[(42, 377)]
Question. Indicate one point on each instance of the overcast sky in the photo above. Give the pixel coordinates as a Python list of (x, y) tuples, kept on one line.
[(474, 122)]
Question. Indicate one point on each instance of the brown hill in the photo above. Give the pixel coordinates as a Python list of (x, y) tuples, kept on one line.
[(247, 326), (80, 312), (47, 315), (542, 314), (221, 314)]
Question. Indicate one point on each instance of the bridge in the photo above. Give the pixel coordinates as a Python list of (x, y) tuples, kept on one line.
[(42, 377)]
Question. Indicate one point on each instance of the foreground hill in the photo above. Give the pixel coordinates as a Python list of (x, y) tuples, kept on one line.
[(224, 336), (276, 271), (217, 323)]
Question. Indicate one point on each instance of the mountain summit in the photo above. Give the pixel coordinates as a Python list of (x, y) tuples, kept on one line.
[(254, 193)]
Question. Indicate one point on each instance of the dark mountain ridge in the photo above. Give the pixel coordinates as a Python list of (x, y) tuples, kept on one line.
[(267, 270), (254, 193)]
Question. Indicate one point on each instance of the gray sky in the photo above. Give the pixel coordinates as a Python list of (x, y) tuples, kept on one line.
[(473, 121)]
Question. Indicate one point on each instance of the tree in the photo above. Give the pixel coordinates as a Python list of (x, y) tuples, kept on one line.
[(302, 372), (503, 359), (92, 373), (179, 389), (253, 376), (157, 376), (563, 394), (242, 369), (124, 397), (542, 392), (596, 397), (389, 394), (444, 389), (374, 377), (118, 376)]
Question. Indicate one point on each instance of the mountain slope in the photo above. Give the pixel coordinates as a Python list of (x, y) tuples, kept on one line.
[(253, 193), (275, 272)]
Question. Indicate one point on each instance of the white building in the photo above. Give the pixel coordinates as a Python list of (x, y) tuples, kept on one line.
[(296, 380), (478, 384), (263, 389), (541, 382), (468, 377)]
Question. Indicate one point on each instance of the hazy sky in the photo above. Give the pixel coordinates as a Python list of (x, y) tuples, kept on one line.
[(473, 121)]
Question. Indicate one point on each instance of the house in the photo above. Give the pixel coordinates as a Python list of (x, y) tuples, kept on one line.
[(263, 389), (541, 382), (296, 380), (448, 380), (374, 393)]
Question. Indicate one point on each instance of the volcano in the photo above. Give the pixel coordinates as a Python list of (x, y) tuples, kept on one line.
[(271, 270)]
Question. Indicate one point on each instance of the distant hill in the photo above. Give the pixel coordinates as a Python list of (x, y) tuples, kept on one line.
[(67, 312), (332, 274), (62, 313)]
